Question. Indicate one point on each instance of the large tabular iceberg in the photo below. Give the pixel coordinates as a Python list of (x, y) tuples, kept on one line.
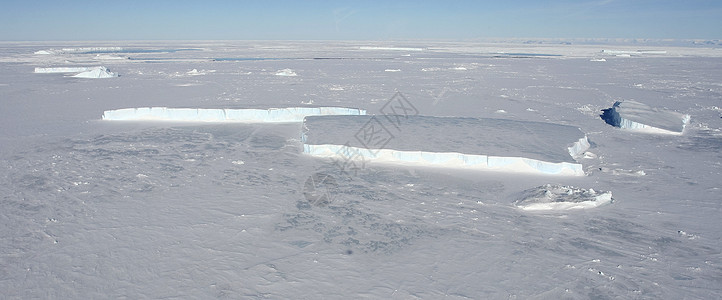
[(79, 72), (634, 115), (272, 115), (51, 70), (484, 144)]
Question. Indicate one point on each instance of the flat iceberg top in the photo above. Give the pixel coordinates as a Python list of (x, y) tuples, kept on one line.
[(494, 137), (631, 114)]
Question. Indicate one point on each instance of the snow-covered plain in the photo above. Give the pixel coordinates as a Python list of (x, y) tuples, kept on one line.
[(96, 209)]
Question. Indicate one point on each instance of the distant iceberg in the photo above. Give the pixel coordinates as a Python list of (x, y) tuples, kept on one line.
[(109, 57), (272, 115), (79, 72), (638, 116), (391, 48), (633, 52), (62, 70), (79, 50), (471, 143), (97, 72)]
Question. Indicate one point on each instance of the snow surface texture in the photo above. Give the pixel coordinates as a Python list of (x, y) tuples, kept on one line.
[(559, 198), (530, 147), (272, 115), (93, 209), (639, 116)]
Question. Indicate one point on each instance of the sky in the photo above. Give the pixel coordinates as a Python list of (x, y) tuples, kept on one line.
[(31, 20)]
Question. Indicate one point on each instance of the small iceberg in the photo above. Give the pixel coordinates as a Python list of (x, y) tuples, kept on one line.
[(97, 72), (641, 117)]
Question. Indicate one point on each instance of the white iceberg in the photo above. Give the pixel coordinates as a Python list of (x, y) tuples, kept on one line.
[(272, 115), (79, 50), (52, 70), (641, 117), (97, 72), (79, 72), (482, 144)]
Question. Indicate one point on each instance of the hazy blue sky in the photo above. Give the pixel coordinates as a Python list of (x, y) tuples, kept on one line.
[(377, 20)]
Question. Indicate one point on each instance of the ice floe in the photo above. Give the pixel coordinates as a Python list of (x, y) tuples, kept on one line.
[(272, 115), (286, 72), (557, 197), (641, 117), (482, 144), (195, 72)]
